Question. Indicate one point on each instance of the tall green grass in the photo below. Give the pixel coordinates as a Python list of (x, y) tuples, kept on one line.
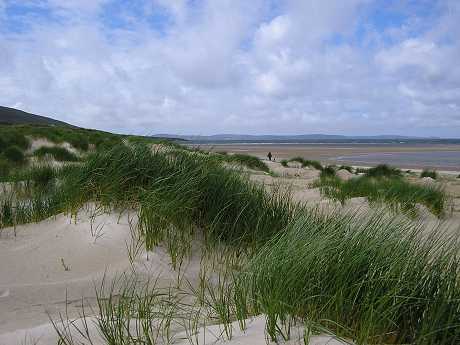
[(304, 162), (14, 154), (429, 173), (396, 192), (247, 160), (375, 280), (178, 188), (184, 189), (383, 170), (60, 154), (11, 138)]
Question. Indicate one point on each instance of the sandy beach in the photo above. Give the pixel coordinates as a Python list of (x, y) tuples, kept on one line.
[(338, 153)]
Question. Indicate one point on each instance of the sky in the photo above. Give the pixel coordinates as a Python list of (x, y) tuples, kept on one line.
[(354, 67)]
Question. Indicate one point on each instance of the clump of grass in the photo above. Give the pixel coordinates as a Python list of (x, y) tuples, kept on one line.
[(372, 280), (383, 170), (14, 154), (10, 138), (42, 176), (60, 154), (5, 168), (248, 161), (304, 162), (396, 192), (346, 167), (78, 140), (359, 170), (40, 205), (181, 189), (429, 173), (3, 144), (327, 172)]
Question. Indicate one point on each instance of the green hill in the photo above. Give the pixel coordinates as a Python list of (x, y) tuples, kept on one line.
[(13, 116)]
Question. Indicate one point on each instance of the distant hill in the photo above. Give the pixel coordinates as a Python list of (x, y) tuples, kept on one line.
[(11, 116), (283, 138)]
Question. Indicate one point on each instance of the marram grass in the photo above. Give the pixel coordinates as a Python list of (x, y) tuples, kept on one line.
[(375, 280), (396, 192)]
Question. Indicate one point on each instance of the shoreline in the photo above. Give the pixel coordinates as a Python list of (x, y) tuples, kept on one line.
[(343, 154)]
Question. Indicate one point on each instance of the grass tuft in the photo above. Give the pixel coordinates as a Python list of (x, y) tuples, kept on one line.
[(5, 168), (429, 173), (60, 154), (398, 193), (305, 163), (369, 279), (383, 170), (346, 167), (14, 154), (248, 161), (327, 171)]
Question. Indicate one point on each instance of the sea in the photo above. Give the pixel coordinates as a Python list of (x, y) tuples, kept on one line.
[(433, 153), (441, 159)]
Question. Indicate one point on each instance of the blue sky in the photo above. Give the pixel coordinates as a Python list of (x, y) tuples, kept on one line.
[(357, 67)]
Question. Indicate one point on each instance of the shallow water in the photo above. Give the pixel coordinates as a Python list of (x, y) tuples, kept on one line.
[(441, 159)]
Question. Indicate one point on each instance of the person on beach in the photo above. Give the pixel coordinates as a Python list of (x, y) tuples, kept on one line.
[(269, 156)]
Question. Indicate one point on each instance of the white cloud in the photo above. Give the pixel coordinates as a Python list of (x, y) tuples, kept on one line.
[(234, 66)]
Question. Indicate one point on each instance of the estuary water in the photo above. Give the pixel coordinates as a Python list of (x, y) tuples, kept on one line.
[(436, 159)]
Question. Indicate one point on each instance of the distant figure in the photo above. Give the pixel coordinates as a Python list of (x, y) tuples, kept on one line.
[(269, 156)]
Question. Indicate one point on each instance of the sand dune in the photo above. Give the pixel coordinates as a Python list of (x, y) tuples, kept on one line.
[(54, 263), (48, 267)]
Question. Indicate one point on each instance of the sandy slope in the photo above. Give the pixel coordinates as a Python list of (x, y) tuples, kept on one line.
[(210, 335), (34, 282), (33, 260)]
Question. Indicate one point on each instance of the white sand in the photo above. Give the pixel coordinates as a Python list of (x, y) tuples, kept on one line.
[(34, 281), (254, 334)]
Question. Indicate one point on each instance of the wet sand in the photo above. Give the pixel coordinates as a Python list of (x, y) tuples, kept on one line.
[(334, 153)]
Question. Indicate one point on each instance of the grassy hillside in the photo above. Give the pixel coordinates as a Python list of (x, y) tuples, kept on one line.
[(18, 117), (25, 145)]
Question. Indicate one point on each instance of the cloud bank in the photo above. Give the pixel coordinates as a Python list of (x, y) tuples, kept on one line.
[(235, 66)]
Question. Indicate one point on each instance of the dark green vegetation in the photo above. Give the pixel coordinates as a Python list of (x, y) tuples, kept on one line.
[(346, 167), (246, 160), (176, 187), (304, 162), (78, 137), (429, 173), (383, 170), (60, 154), (372, 279), (327, 171), (10, 138), (5, 169), (385, 186), (238, 159), (368, 279), (15, 144), (14, 154), (13, 116)]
